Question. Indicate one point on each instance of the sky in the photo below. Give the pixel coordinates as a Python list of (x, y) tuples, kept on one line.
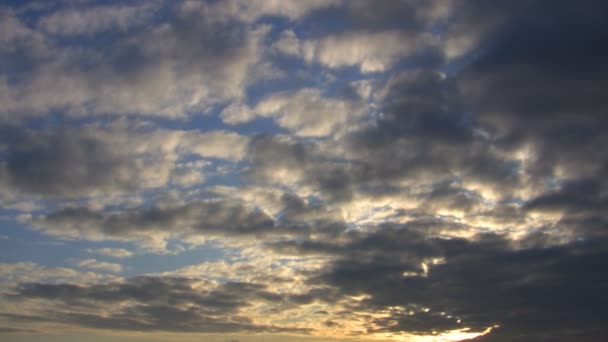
[(303, 170)]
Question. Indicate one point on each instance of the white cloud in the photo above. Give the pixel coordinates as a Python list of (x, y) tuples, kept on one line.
[(305, 112), (236, 113), (23, 272), (369, 51), (97, 19), (252, 10), (111, 252), (185, 65), (216, 144), (100, 265)]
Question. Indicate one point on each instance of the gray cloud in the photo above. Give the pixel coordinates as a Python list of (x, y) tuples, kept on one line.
[(9, 330), (96, 19), (543, 90), (227, 218), (541, 93), (550, 293), (64, 162), (422, 137), (156, 304), (109, 159), (466, 187), (371, 16)]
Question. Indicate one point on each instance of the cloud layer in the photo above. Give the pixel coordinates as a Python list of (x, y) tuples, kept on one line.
[(398, 170)]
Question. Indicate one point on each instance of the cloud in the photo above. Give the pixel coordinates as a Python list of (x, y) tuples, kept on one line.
[(229, 218), (405, 282), (440, 170), (305, 112), (415, 284), (248, 11), (156, 224), (96, 19), (110, 159), (539, 91), (371, 16), (94, 264), (162, 71), (389, 156), (369, 51), (18, 272), (9, 330), (216, 144), (538, 96), (119, 253), (153, 305), (281, 160)]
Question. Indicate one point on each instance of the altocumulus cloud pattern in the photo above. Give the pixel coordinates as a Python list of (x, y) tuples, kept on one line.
[(304, 170)]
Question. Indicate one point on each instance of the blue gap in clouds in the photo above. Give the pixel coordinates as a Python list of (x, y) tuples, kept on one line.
[(27, 245), (153, 263)]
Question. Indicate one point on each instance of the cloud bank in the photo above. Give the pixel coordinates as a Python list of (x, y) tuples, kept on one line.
[(397, 170)]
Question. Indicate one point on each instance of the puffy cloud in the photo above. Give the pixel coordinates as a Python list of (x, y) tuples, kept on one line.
[(369, 51), (114, 158), (251, 10), (305, 112), (67, 162), (455, 189), (184, 65), (539, 96), (216, 144)]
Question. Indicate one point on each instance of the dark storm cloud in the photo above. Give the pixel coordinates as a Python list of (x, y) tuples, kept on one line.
[(538, 78), (155, 304), (550, 293), (537, 58), (582, 203), (574, 196), (421, 322)]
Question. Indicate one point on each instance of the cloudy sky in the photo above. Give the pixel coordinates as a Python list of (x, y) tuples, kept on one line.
[(304, 170)]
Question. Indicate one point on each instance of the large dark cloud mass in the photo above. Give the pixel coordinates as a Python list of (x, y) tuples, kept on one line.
[(550, 293), (379, 168)]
